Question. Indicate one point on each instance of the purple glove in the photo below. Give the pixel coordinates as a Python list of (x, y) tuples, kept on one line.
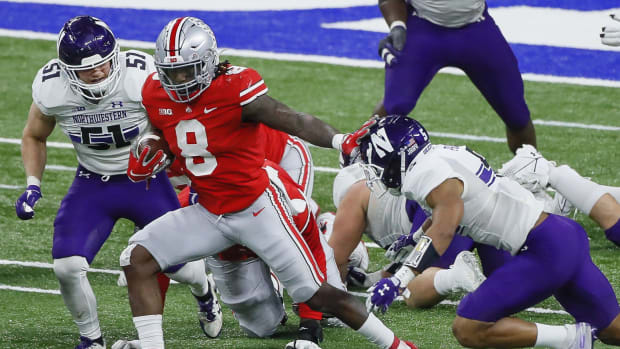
[(401, 248), (24, 206), (383, 293)]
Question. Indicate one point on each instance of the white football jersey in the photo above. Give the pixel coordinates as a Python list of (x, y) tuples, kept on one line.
[(387, 218), (100, 132), (449, 13), (497, 210)]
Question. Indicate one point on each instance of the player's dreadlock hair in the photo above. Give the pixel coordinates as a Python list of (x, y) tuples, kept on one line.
[(222, 67)]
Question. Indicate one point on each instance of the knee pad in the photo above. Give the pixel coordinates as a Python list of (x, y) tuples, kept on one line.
[(70, 267), (125, 257)]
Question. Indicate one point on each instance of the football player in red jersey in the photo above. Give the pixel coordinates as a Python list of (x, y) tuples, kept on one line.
[(243, 280), (210, 115)]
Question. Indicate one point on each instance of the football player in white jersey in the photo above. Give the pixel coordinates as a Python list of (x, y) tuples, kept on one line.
[(93, 92), (395, 224), (551, 252)]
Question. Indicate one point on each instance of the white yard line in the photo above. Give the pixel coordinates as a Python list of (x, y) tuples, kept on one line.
[(117, 272)]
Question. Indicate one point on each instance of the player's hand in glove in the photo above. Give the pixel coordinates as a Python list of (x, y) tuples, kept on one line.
[(611, 33), (24, 206), (349, 145), (382, 294), (139, 169), (391, 46)]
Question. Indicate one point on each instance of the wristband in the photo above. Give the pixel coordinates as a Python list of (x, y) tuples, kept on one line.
[(423, 255), (404, 276), (32, 180), (337, 141), (398, 24)]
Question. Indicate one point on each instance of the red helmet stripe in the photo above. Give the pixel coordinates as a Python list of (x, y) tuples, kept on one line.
[(174, 36)]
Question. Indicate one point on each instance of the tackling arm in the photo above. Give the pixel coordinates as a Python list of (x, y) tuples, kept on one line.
[(34, 137), (447, 205), (349, 225), (279, 116)]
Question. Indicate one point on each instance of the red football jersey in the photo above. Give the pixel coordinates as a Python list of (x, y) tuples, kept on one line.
[(221, 154), (274, 143)]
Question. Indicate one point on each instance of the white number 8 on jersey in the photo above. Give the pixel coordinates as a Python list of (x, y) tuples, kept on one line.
[(192, 140)]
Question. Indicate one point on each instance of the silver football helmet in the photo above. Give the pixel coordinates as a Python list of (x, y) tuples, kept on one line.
[(186, 58)]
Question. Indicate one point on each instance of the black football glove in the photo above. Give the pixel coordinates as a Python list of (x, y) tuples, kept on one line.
[(391, 46)]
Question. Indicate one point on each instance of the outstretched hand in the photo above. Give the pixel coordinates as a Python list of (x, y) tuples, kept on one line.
[(382, 294), (350, 146)]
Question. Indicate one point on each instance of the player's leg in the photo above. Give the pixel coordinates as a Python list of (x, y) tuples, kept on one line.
[(189, 233), (418, 63), (551, 259), (84, 222), (193, 273), (297, 162), (246, 288), (275, 237), (598, 201), (483, 53), (590, 298)]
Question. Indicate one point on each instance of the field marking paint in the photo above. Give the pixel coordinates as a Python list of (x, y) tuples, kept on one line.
[(28, 289), (363, 63), (118, 272)]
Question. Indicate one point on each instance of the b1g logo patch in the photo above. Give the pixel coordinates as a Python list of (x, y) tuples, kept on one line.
[(165, 111)]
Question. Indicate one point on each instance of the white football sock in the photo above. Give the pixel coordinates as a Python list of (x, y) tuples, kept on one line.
[(444, 281), (78, 295), (150, 331), (376, 332), (580, 192), (193, 274), (613, 191), (556, 337)]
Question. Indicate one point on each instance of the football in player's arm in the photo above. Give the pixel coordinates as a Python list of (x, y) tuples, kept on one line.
[(211, 119)]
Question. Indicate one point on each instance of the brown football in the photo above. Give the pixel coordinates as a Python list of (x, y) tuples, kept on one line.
[(154, 139)]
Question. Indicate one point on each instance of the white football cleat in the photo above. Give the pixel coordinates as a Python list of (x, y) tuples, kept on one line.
[(560, 206), (210, 313), (583, 336), (469, 272), (302, 344), (127, 344), (528, 168)]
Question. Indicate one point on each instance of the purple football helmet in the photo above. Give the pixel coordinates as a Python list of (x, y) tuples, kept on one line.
[(84, 43), (389, 149)]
